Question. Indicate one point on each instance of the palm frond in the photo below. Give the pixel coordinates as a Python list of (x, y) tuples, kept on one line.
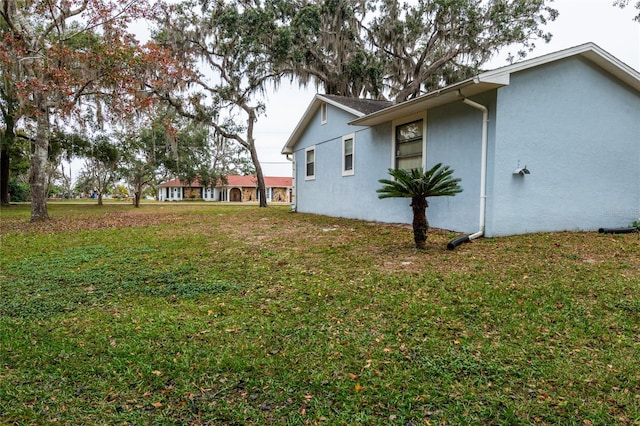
[(435, 182)]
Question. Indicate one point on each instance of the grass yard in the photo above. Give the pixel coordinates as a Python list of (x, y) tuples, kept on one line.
[(234, 315)]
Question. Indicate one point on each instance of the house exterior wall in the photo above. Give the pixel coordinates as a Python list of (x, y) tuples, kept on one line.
[(577, 130), (280, 195), (453, 137), (352, 196), (277, 194), (575, 127), (249, 194), (175, 194), (192, 193)]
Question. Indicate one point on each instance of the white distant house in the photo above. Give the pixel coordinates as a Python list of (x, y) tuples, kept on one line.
[(547, 144), (236, 189)]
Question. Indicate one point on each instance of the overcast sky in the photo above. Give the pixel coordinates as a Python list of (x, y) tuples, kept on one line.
[(580, 21)]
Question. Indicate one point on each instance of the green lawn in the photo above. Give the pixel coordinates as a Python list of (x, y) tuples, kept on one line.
[(236, 315)]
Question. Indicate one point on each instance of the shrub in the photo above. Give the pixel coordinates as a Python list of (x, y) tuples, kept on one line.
[(19, 191)]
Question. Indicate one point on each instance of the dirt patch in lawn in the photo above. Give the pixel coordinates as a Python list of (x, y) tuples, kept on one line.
[(83, 222)]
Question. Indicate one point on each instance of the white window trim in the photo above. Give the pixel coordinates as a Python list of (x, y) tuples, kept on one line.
[(315, 163), (323, 113), (405, 120), (352, 137)]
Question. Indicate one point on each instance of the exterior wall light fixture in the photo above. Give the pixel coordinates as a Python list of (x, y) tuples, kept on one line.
[(521, 171)]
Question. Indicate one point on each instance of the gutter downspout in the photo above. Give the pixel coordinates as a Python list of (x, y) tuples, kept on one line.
[(294, 207), (483, 178)]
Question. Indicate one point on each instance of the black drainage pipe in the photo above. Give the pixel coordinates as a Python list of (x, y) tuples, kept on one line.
[(457, 241), (618, 230)]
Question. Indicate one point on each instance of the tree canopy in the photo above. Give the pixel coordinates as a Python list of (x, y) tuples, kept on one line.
[(624, 3), (401, 49), (73, 58), (212, 60)]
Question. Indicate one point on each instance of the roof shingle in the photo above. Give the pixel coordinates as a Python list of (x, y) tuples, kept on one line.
[(365, 106)]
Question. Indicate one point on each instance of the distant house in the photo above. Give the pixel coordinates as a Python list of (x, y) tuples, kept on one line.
[(547, 144), (236, 189)]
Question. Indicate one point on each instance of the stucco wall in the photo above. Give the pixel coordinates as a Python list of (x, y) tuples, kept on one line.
[(280, 195), (354, 196), (575, 127), (454, 138), (454, 134), (577, 130)]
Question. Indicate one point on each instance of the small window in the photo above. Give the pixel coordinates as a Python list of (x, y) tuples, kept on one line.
[(409, 140), (348, 152), (310, 160), (323, 113)]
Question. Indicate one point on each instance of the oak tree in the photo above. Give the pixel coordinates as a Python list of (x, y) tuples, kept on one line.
[(402, 49), (233, 40), (73, 60)]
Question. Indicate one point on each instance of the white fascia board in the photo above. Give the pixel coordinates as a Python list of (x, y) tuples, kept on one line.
[(499, 77), (302, 124), (615, 67), (412, 106), (449, 94), (308, 116), (540, 60), (590, 51), (502, 79)]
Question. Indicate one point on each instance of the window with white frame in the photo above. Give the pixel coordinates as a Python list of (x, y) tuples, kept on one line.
[(323, 113), (408, 145), (310, 161), (348, 155)]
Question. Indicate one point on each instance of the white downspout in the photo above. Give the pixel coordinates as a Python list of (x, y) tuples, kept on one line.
[(483, 166), (293, 201)]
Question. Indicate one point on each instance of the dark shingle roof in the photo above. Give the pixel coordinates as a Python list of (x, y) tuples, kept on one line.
[(365, 106)]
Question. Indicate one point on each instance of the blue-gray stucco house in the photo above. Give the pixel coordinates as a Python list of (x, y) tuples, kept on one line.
[(572, 118)]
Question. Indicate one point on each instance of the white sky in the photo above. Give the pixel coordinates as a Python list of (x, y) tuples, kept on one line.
[(579, 21)]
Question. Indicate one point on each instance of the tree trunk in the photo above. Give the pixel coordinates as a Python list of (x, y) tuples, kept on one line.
[(38, 172), (251, 145), (99, 198), (4, 174), (420, 223), (262, 192), (8, 139), (136, 198)]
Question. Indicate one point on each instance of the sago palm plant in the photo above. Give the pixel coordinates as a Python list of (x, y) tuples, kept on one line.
[(418, 184)]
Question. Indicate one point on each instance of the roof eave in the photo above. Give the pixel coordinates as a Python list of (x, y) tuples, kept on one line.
[(500, 77), (590, 51), (453, 93), (483, 82), (308, 116), (615, 67)]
